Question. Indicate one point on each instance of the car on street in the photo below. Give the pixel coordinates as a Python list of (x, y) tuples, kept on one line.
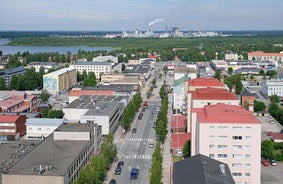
[(113, 181), (154, 124), (151, 145), (118, 170), (134, 130), (140, 115), (121, 163), (273, 163), (265, 162)]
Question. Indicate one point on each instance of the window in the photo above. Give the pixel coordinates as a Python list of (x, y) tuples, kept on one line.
[(211, 146), (248, 128), (248, 147), (237, 137), (237, 128), (248, 174), (29, 128), (248, 138), (237, 174), (38, 128), (248, 156), (248, 165), (237, 156), (211, 155), (222, 137), (222, 155), (237, 147), (237, 165), (211, 128), (211, 137), (222, 146), (222, 128)]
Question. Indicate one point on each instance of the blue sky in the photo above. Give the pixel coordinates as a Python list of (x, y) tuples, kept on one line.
[(114, 15)]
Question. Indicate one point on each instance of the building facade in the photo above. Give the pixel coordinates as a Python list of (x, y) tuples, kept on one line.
[(12, 127), (272, 87), (97, 68), (60, 80), (232, 135), (7, 74), (231, 56)]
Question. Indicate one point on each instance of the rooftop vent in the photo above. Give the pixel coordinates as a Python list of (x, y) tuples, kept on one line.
[(222, 170)]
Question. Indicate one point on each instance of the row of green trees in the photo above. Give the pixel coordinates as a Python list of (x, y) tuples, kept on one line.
[(275, 110), (130, 111), (96, 170), (89, 79), (156, 167), (162, 121), (48, 113)]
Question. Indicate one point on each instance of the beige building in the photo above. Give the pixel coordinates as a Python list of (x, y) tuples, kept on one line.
[(232, 135), (97, 68), (122, 79), (59, 158), (60, 80)]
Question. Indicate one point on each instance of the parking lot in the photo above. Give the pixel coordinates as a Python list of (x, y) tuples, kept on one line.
[(270, 174)]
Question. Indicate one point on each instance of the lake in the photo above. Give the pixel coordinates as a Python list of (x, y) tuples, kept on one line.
[(36, 49)]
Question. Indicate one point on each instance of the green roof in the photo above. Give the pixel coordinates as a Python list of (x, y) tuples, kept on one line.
[(181, 81)]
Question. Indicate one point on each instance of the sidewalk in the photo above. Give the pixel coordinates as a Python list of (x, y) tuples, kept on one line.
[(167, 158)]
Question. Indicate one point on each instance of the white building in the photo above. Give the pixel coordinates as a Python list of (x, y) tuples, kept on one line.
[(179, 95), (45, 65), (39, 128), (105, 59), (272, 87), (102, 110), (232, 135), (60, 80), (97, 67), (231, 56)]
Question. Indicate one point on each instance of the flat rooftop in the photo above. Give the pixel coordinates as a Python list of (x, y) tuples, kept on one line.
[(56, 154), (102, 108), (90, 101), (114, 87)]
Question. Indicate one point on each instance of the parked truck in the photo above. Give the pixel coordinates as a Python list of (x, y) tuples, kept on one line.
[(134, 173)]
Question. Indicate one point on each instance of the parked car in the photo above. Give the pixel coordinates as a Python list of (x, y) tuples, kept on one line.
[(118, 170), (140, 115), (134, 130), (273, 162), (113, 181), (151, 145), (265, 162), (154, 124), (121, 163), (269, 133)]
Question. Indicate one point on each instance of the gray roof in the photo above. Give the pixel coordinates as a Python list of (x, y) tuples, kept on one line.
[(137, 68), (114, 87), (102, 108), (246, 70), (44, 122), (201, 169), (87, 101), (91, 63), (11, 71), (58, 154)]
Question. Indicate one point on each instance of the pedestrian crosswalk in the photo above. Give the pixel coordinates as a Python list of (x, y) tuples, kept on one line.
[(141, 140), (134, 156)]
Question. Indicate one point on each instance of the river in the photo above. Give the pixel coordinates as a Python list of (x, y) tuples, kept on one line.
[(37, 49)]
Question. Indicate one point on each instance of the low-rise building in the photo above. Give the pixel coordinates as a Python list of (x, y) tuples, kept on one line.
[(105, 59), (218, 65), (60, 80), (272, 87), (179, 96), (18, 102), (275, 58), (59, 158), (40, 128), (8, 73), (102, 110), (142, 70), (45, 65), (12, 127), (231, 56), (97, 68)]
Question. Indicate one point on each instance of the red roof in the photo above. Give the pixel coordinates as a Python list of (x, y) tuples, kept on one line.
[(212, 93), (205, 82), (178, 140), (223, 113), (8, 118), (260, 53), (179, 121), (277, 136), (152, 56)]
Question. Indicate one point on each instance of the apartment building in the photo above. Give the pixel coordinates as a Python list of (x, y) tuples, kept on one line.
[(272, 87), (60, 80), (231, 56), (7, 74), (232, 135), (97, 68), (276, 58), (12, 127)]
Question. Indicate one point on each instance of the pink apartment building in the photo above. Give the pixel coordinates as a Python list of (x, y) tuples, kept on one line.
[(230, 134)]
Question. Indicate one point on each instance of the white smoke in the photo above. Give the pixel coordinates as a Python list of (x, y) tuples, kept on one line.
[(155, 21)]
